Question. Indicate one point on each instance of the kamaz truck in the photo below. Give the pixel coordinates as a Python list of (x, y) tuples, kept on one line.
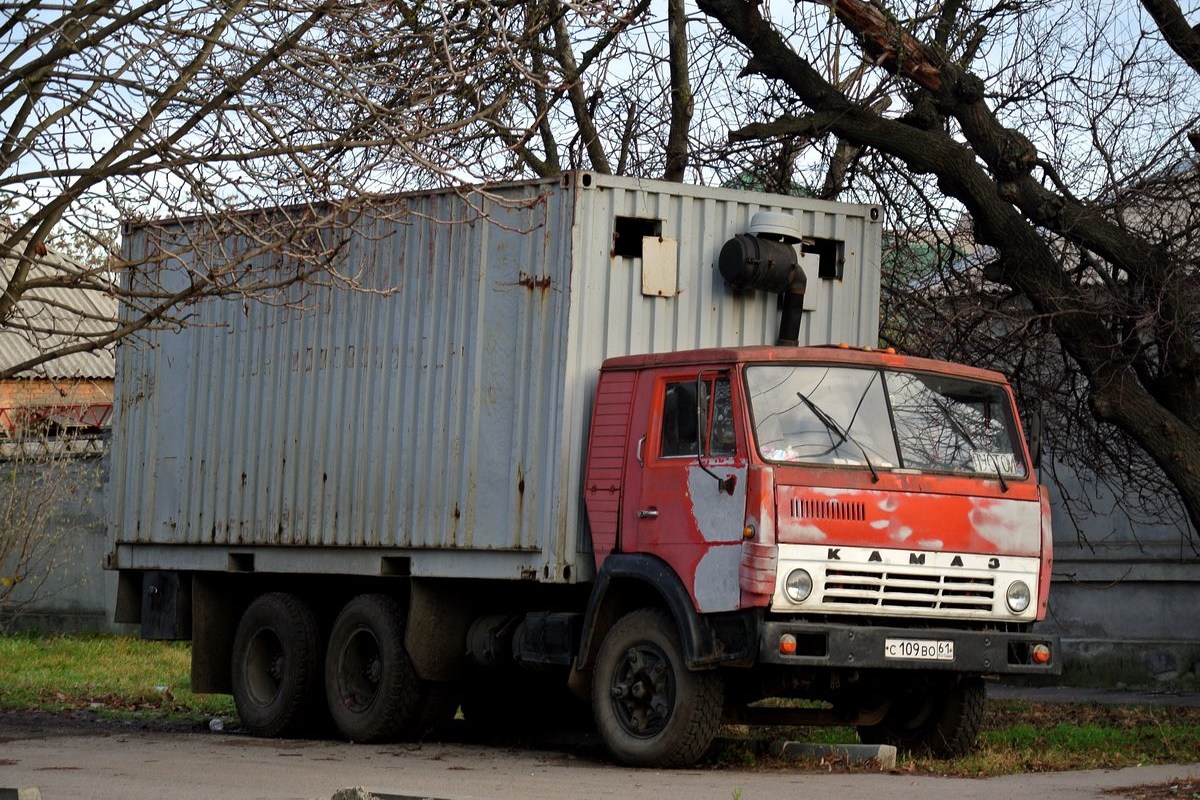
[(587, 440)]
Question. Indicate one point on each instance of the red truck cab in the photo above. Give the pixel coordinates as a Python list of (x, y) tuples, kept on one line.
[(849, 525)]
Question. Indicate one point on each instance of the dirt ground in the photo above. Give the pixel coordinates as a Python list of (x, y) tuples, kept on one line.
[(1188, 789), (77, 754)]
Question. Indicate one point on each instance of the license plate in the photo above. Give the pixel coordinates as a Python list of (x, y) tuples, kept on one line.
[(919, 649)]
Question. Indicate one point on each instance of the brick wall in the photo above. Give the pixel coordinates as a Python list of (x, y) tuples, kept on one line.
[(24, 392)]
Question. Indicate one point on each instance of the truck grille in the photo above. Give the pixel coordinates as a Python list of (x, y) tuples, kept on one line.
[(900, 588)]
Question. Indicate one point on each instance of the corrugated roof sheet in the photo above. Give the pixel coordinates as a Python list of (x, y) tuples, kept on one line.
[(51, 318)]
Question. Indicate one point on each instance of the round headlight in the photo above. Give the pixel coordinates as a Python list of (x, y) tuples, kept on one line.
[(798, 585), (1017, 596)]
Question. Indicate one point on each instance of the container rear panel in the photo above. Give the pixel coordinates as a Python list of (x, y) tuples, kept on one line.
[(421, 410), (440, 409)]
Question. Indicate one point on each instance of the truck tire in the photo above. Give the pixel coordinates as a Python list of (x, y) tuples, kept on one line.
[(373, 692), (650, 710), (941, 717), (276, 666)]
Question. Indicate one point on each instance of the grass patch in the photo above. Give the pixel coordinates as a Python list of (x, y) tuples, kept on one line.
[(131, 677), (108, 674), (1017, 737), (1043, 737)]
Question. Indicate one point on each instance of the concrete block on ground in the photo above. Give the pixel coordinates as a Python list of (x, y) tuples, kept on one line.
[(884, 754), (32, 793)]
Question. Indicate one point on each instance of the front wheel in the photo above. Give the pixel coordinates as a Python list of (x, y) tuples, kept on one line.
[(650, 710), (941, 716)]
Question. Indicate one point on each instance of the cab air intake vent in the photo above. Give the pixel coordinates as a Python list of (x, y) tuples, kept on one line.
[(829, 509)]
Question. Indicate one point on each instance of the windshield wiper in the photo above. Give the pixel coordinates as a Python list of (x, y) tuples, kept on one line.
[(1000, 475), (830, 423), (955, 424)]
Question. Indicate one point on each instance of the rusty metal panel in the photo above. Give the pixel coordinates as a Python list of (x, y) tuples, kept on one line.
[(442, 405)]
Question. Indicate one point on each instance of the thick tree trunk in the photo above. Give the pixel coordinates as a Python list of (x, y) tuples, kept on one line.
[(681, 92), (990, 173)]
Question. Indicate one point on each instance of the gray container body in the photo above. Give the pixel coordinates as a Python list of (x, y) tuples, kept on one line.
[(434, 421)]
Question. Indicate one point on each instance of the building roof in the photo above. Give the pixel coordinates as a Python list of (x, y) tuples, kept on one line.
[(50, 318)]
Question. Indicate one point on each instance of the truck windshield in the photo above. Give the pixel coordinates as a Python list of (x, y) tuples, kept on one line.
[(882, 419)]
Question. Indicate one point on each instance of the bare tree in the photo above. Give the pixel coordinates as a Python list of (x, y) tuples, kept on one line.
[(304, 110), (308, 109), (1063, 135)]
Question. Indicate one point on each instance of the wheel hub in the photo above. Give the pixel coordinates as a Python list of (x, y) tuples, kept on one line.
[(360, 670), (643, 690)]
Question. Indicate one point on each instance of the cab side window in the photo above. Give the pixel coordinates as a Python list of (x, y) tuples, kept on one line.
[(679, 422), (681, 425)]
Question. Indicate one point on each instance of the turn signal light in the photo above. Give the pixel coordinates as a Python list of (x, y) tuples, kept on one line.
[(787, 644), (1040, 654)]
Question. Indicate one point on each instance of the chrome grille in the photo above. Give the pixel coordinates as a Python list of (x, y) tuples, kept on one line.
[(900, 588)]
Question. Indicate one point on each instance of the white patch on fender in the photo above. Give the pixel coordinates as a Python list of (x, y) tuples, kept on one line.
[(715, 584), (1013, 527), (806, 533), (719, 517)]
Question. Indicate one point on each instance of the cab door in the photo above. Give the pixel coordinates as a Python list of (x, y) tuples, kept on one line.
[(692, 500)]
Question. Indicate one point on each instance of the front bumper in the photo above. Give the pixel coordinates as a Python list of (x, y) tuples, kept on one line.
[(862, 647)]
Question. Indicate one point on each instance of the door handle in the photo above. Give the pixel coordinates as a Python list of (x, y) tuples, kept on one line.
[(648, 513)]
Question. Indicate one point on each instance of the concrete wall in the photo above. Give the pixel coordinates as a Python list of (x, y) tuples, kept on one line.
[(76, 594), (1126, 593)]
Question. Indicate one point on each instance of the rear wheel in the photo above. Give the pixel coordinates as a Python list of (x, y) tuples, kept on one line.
[(650, 710), (275, 670), (938, 715), (373, 691)]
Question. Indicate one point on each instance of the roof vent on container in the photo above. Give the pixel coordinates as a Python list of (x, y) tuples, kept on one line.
[(776, 225)]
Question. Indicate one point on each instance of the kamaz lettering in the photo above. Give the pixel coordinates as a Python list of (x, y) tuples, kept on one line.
[(955, 560)]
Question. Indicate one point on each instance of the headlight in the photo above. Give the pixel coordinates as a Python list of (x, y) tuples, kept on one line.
[(1017, 596), (798, 585)]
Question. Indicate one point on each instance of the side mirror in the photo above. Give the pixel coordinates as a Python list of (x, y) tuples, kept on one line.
[(1035, 437)]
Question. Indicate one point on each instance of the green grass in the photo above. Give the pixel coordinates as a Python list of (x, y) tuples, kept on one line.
[(1019, 737), (125, 676), (110, 674)]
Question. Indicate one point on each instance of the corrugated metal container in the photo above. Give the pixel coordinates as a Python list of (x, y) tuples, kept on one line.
[(434, 422)]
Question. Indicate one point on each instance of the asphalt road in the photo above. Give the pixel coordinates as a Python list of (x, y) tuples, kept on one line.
[(79, 758)]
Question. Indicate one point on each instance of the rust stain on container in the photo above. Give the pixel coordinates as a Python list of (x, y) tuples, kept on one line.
[(534, 282)]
